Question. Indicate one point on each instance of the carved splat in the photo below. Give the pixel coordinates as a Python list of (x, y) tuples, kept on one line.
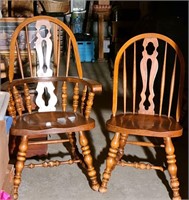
[(43, 41), (148, 82), (44, 70)]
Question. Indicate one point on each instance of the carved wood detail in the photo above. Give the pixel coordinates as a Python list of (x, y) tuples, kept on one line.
[(64, 96), (21, 157), (172, 167), (43, 47), (110, 161), (76, 97), (89, 104), (140, 165), (27, 98), (152, 74), (17, 100), (88, 160), (55, 163), (83, 98)]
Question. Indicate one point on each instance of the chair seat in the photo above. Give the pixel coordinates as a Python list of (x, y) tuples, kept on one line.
[(51, 122), (145, 125)]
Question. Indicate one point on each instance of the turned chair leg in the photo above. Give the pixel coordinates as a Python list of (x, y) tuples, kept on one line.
[(110, 162), (74, 150), (21, 157), (122, 143), (172, 168), (88, 160)]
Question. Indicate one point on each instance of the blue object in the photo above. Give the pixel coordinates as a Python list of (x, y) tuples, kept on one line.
[(77, 19), (9, 121), (86, 51)]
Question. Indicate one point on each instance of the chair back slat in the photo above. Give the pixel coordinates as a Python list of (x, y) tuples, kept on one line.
[(55, 44), (28, 50), (180, 89), (19, 60), (56, 47), (58, 53), (172, 86), (157, 67), (163, 80), (124, 83), (68, 56), (134, 79)]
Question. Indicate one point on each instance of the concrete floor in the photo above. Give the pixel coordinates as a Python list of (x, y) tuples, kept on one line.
[(70, 183)]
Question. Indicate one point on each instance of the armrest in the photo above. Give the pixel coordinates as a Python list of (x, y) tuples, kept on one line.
[(95, 86)]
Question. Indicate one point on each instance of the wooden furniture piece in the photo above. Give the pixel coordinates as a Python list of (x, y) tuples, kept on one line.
[(153, 77), (103, 11), (21, 8), (45, 100), (4, 153), (7, 27), (6, 169)]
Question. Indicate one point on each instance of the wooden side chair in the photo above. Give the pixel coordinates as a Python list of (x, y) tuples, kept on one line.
[(147, 94), (44, 99)]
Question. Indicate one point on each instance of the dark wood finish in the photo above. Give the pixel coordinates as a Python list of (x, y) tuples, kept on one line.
[(46, 101), (151, 67), (22, 9), (103, 11)]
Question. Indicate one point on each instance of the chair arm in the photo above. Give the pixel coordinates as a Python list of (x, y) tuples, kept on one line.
[(95, 86)]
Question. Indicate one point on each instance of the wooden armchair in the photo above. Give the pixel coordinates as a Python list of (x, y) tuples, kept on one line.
[(44, 99), (147, 94)]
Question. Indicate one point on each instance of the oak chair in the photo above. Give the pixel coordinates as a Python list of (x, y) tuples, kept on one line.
[(147, 94), (44, 99)]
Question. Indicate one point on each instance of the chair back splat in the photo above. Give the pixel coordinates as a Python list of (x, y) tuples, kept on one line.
[(147, 95), (48, 94)]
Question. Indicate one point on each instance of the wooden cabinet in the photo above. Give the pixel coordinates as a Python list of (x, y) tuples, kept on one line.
[(4, 155)]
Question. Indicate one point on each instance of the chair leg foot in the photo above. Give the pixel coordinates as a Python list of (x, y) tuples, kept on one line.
[(172, 168), (110, 162), (102, 189), (88, 161), (21, 157), (95, 187)]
